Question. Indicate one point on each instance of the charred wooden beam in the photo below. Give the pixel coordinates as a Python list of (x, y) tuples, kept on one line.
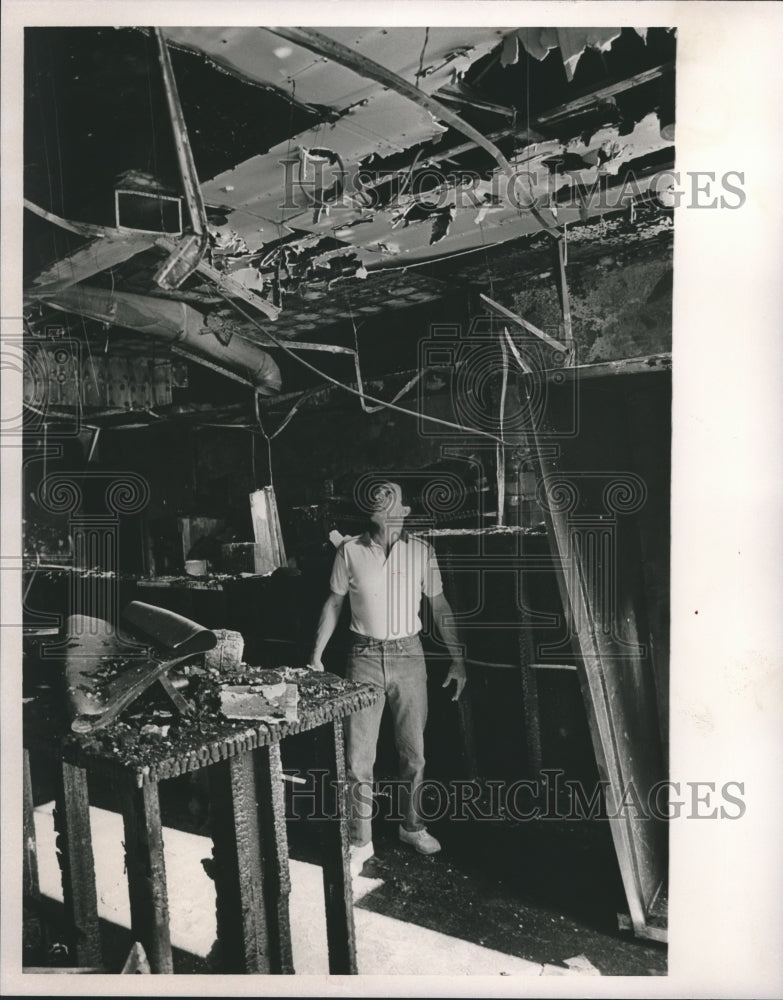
[(182, 262), (30, 866), (77, 864), (274, 847), (333, 833), (80, 228), (588, 100), (242, 924), (453, 95)]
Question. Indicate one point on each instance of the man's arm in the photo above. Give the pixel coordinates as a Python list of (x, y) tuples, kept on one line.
[(330, 615), (441, 612)]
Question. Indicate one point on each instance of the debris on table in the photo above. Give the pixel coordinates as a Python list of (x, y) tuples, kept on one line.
[(196, 740), (269, 700), (151, 729)]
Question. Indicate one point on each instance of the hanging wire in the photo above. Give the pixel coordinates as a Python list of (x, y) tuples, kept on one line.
[(347, 388), (288, 146), (253, 461), (153, 161), (58, 145), (108, 325), (268, 440), (420, 73), (357, 366), (46, 152), (270, 437), (486, 261), (527, 81), (424, 263), (500, 455)]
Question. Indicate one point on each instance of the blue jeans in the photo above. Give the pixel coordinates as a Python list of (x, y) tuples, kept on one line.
[(398, 666)]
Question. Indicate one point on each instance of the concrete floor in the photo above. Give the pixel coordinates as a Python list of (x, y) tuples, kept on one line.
[(414, 915)]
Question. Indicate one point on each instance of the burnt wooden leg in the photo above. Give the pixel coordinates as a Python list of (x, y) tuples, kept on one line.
[(242, 927), (274, 841), (31, 891), (30, 862), (333, 830), (149, 904), (74, 848)]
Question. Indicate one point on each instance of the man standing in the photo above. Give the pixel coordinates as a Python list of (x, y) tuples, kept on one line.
[(385, 572)]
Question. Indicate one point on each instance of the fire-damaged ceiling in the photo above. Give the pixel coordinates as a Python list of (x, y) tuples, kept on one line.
[(205, 193)]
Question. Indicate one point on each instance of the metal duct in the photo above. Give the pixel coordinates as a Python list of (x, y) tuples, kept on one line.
[(176, 322)]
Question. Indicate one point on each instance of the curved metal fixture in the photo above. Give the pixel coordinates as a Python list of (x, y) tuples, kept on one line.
[(173, 321)]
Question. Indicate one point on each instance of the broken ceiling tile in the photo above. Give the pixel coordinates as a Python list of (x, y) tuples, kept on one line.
[(510, 51), (98, 255), (249, 277), (226, 242), (574, 41), (442, 223), (538, 42)]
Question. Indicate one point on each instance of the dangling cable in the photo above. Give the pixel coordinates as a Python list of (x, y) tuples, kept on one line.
[(500, 451), (347, 388), (406, 388)]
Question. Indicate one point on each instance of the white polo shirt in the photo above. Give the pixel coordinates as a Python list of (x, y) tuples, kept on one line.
[(385, 592)]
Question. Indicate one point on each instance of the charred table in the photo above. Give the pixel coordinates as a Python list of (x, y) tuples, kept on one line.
[(247, 806)]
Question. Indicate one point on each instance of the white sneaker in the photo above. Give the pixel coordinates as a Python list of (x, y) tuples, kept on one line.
[(358, 857), (424, 842)]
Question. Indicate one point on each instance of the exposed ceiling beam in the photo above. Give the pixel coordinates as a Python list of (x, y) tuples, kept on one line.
[(225, 283), (565, 303), (96, 256), (454, 96), (80, 228), (182, 262), (585, 102)]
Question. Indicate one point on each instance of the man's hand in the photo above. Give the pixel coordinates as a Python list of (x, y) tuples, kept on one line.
[(456, 673), (330, 613), (443, 617)]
